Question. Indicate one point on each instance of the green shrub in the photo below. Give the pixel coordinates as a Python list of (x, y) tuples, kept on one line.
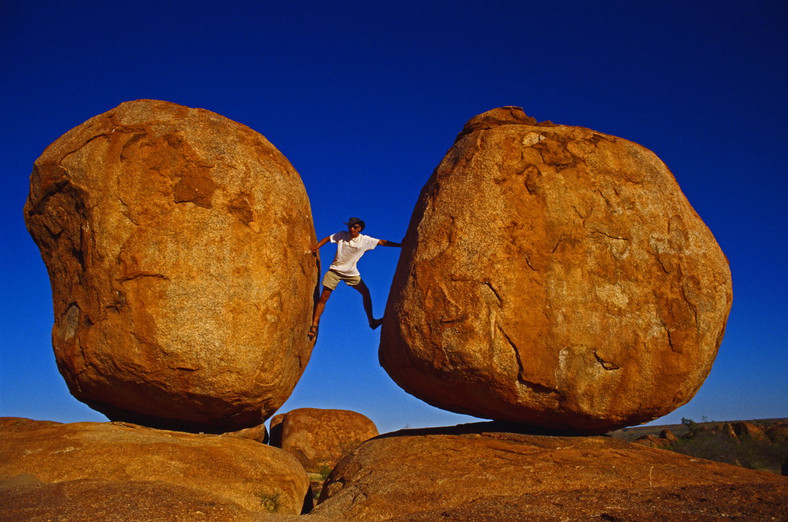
[(692, 426), (269, 501), (324, 469)]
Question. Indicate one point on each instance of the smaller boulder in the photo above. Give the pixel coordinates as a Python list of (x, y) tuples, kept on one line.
[(320, 438)]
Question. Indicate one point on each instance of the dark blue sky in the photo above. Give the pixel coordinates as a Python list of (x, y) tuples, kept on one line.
[(365, 100)]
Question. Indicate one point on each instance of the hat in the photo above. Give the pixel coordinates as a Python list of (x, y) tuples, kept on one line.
[(354, 220)]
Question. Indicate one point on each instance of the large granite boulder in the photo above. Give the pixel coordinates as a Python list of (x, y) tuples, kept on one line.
[(554, 276), (84, 468), (174, 242), (483, 472)]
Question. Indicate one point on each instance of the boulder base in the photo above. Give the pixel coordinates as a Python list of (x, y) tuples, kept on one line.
[(105, 463), (113, 501), (474, 472), (557, 277), (174, 242)]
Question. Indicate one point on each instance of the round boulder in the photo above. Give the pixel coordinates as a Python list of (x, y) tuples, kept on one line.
[(557, 277), (174, 242), (320, 438)]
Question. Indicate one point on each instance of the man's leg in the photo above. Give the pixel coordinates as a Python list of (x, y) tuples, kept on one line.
[(319, 307), (367, 299)]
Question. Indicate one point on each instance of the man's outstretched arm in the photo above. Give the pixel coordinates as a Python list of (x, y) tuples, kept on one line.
[(320, 244), (383, 242)]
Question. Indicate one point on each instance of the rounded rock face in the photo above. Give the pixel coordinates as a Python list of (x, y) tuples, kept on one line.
[(557, 277), (174, 242), (478, 472), (320, 438), (237, 475)]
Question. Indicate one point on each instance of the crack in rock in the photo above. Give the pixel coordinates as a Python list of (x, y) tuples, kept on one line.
[(607, 365)]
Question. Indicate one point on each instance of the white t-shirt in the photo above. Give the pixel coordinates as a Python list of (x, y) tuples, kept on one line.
[(349, 251)]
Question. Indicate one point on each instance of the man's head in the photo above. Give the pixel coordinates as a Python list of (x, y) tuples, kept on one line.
[(355, 223)]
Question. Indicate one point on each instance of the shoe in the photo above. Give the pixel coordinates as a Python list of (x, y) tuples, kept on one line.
[(312, 332), (375, 323)]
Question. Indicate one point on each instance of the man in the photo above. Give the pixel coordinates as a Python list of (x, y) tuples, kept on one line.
[(351, 245)]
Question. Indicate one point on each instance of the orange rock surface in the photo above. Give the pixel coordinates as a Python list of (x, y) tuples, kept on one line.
[(475, 472), (174, 242), (557, 277), (45, 465), (319, 438)]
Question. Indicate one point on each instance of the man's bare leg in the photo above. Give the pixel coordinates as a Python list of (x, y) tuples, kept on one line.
[(367, 300), (319, 307)]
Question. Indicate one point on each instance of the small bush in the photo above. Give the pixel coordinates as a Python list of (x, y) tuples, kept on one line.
[(324, 469), (269, 501), (692, 427)]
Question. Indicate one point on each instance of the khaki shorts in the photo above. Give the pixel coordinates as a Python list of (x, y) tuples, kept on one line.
[(332, 279)]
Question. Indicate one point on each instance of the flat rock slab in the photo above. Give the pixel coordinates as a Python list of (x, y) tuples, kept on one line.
[(90, 467), (471, 472), (174, 241), (111, 500)]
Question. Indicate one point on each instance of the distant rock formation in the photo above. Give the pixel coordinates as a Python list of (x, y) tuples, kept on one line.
[(749, 431), (557, 277), (778, 433), (174, 242), (320, 438), (653, 441), (48, 469), (668, 436), (475, 472), (727, 431)]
